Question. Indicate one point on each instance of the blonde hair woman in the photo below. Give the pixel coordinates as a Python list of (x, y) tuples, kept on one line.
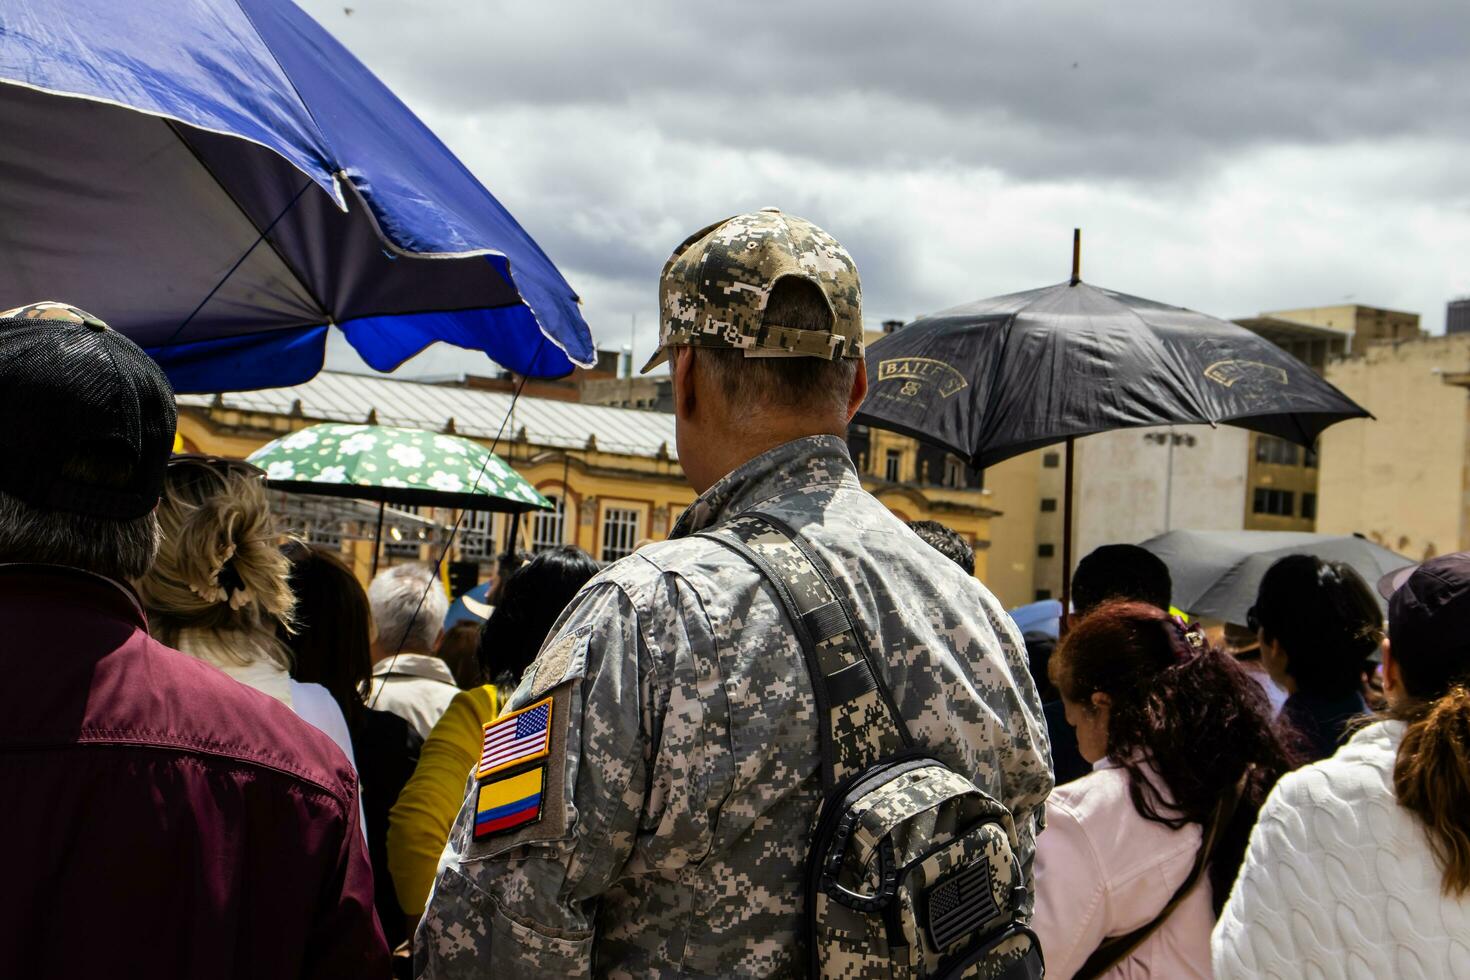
[(219, 587)]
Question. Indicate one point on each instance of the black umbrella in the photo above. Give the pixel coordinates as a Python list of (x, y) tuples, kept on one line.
[(1218, 573), (1002, 376)]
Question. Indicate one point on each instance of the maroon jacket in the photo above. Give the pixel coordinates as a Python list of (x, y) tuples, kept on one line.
[(158, 818)]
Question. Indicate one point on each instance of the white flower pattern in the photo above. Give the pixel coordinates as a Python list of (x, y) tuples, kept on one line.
[(299, 440), (411, 457), (358, 442), (394, 458)]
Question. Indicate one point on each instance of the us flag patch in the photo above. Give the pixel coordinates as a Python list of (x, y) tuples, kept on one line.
[(516, 738)]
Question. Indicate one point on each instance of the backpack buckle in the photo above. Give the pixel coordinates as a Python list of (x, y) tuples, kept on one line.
[(832, 867)]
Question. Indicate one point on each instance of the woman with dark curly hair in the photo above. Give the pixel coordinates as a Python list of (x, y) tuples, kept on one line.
[(1318, 623), (1139, 855)]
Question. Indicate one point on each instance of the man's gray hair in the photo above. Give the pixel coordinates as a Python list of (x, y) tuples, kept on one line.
[(755, 385), (118, 549), (409, 606)]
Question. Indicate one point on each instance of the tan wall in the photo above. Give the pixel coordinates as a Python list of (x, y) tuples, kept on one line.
[(1300, 480), (1369, 324), (1399, 480), (1125, 494), (1011, 488)]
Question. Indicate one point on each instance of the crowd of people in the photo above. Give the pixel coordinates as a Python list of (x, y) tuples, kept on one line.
[(226, 757)]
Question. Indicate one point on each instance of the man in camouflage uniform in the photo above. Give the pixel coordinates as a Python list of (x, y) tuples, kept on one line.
[(678, 772)]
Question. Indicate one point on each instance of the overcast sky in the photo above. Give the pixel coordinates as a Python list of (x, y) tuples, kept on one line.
[(1231, 157)]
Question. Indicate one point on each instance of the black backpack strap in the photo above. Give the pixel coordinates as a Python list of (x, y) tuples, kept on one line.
[(858, 721)]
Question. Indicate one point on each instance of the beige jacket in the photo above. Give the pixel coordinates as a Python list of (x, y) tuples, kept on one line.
[(414, 686)]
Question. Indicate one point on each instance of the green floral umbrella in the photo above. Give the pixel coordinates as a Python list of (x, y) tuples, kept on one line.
[(396, 466)]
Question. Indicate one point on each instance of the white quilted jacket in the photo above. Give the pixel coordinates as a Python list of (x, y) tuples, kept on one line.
[(1339, 880)]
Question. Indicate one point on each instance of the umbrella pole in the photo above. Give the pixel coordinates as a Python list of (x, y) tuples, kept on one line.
[(378, 538), (1067, 534), (510, 545)]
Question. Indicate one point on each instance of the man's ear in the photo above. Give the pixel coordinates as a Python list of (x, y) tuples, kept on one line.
[(859, 388), (685, 396)]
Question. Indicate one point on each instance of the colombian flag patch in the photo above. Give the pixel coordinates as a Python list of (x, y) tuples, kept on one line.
[(509, 803)]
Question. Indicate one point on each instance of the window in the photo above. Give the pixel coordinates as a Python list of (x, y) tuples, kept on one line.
[(548, 527), (1309, 459), (619, 532), (1051, 460), (477, 536), (1277, 451), (328, 534), (1043, 594), (1045, 550), (403, 543), (1048, 505), (890, 465), (1309, 506), (1281, 503), (954, 472)]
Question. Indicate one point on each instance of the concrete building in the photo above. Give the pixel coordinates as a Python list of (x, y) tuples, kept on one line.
[(613, 473), (1457, 316), (1402, 479), (1281, 479), (1364, 325), (1131, 485)]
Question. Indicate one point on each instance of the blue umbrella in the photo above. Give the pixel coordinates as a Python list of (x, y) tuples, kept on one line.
[(221, 180), (471, 607)]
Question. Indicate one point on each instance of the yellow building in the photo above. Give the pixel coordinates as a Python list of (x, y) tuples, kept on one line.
[(1282, 481), (612, 473), (1402, 479)]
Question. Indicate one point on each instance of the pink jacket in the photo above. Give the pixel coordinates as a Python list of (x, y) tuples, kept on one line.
[(1102, 870)]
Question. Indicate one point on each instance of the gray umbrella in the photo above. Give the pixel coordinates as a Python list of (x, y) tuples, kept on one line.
[(1217, 573)]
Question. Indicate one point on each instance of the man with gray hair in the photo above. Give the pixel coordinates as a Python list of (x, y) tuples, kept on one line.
[(644, 807), (218, 831), (409, 678)]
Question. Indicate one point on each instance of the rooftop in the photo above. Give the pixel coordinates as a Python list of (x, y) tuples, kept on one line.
[(334, 396)]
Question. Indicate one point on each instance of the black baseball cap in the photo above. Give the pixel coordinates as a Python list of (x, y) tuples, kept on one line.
[(1429, 614), (74, 390)]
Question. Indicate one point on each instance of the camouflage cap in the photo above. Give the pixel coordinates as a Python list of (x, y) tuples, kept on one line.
[(714, 289)]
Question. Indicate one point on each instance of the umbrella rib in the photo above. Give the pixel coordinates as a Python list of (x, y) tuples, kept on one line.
[(262, 236), (458, 523)]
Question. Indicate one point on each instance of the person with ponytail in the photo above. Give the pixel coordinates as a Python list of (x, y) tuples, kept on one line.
[(1360, 863), (220, 590), (1138, 856), (1318, 625)]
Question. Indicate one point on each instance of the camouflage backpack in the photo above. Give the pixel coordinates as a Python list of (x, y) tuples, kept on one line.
[(911, 870)]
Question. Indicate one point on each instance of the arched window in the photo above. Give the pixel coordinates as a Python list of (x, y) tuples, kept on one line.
[(548, 527)]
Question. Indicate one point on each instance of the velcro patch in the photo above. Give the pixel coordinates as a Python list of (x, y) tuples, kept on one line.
[(509, 803), (515, 738)]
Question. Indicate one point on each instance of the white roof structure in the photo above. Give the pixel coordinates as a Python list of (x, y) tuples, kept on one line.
[(338, 397)]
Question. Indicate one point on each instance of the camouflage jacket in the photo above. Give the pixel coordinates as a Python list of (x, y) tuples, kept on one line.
[(682, 777)]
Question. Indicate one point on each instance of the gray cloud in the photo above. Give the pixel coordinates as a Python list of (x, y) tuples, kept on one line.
[(1232, 157)]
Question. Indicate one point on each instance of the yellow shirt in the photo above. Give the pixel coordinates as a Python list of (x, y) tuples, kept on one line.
[(419, 822)]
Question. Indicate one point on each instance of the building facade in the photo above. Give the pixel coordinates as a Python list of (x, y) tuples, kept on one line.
[(612, 473), (1401, 478)]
